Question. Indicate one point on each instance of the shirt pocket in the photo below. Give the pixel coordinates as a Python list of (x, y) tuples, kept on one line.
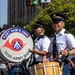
[(61, 45)]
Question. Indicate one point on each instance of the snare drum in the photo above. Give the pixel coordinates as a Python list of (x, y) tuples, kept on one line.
[(49, 68)]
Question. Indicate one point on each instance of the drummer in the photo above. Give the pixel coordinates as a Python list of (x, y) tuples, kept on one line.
[(62, 42), (41, 43)]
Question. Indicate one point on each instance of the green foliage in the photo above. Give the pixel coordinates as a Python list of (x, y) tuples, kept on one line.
[(72, 31), (18, 23), (66, 7)]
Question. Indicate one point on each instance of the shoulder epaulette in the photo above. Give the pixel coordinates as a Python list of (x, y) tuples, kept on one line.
[(66, 32), (42, 36)]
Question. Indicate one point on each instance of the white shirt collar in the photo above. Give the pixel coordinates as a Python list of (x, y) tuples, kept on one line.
[(61, 32)]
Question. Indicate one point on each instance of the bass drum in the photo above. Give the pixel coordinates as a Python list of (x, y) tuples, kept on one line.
[(15, 44), (48, 68)]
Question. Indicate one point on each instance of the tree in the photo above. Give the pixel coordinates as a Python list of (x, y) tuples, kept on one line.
[(66, 7)]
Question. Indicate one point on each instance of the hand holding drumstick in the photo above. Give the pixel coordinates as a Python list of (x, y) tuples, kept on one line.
[(63, 52)]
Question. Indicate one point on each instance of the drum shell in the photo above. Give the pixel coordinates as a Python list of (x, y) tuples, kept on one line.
[(49, 68)]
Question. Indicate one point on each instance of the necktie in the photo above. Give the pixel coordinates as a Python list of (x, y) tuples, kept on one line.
[(55, 52)]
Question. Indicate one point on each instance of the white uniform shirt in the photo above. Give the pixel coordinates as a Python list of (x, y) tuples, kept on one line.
[(41, 44), (2, 66), (62, 41)]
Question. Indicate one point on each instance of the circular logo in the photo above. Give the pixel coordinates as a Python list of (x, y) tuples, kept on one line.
[(15, 45)]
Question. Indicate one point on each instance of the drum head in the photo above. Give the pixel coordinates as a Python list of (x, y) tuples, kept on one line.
[(15, 44)]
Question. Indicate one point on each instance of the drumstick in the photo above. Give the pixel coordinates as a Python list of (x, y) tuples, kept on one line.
[(59, 54), (55, 57)]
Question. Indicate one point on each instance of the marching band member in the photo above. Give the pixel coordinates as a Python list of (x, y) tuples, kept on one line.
[(63, 42), (41, 43)]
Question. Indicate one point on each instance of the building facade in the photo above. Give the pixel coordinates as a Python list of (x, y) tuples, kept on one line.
[(19, 11)]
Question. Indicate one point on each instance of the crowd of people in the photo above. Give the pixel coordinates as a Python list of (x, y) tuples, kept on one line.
[(45, 49)]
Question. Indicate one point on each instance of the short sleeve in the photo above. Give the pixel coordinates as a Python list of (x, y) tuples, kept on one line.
[(70, 41), (45, 44)]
